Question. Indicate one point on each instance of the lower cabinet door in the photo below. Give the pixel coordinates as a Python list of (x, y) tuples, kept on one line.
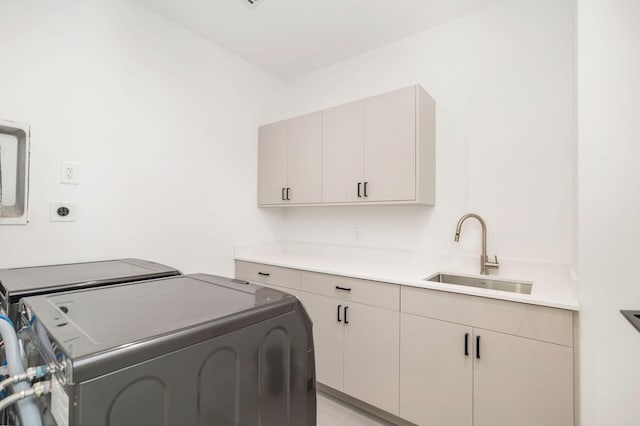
[(522, 382), (328, 337), (371, 355), (436, 372)]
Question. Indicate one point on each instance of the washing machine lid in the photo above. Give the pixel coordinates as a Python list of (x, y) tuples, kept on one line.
[(136, 321), (16, 283)]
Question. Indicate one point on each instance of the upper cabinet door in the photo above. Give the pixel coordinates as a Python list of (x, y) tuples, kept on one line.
[(304, 148), (342, 153), (379, 150), (272, 163), (390, 146)]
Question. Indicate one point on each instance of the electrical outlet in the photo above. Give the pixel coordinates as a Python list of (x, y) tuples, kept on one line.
[(69, 173), (62, 211)]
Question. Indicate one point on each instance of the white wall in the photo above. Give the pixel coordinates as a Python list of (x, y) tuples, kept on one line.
[(163, 124), (503, 82), (609, 209)]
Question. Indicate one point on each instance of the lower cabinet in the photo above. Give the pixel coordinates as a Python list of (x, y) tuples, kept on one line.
[(328, 336), (357, 349), (371, 355), (431, 357), (436, 372), (524, 382), (456, 375)]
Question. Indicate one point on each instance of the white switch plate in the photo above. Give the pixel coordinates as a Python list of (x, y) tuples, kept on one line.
[(69, 173), (57, 212)]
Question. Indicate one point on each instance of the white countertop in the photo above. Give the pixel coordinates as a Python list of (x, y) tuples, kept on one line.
[(552, 285)]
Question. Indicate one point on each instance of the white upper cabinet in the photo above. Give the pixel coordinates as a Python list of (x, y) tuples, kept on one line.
[(272, 164), (304, 159), (289, 161), (378, 150), (342, 153), (390, 146)]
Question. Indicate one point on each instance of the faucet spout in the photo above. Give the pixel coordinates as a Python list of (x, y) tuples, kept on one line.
[(484, 259)]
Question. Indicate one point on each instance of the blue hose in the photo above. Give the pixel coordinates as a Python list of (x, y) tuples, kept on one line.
[(7, 319), (27, 408), (3, 394)]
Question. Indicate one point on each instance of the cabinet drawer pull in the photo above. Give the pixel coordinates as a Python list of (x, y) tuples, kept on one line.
[(342, 288), (339, 307), (466, 344), (365, 189), (282, 194), (359, 185), (345, 315), (265, 274), (478, 347), (288, 189)]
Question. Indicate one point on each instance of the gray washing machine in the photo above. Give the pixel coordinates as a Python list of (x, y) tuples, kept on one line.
[(16, 283), (187, 350)]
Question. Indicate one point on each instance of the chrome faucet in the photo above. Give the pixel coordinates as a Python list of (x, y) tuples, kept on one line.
[(484, 259)]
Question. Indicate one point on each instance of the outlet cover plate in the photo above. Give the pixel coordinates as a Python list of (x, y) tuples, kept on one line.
[(69, 173), (63, 211)]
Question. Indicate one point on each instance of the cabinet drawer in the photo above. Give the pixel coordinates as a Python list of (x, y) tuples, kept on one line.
[(368, 292), (274, 275), (519, 319), (291, 291)]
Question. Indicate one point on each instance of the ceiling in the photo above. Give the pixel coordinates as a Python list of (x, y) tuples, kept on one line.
[(290, 38)]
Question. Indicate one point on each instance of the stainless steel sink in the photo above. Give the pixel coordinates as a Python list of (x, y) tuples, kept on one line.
[(511, 286)]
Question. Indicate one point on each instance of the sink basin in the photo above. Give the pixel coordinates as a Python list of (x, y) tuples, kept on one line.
[(510, 286)]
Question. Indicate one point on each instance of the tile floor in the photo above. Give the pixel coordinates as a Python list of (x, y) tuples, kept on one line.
[(333, 412)]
